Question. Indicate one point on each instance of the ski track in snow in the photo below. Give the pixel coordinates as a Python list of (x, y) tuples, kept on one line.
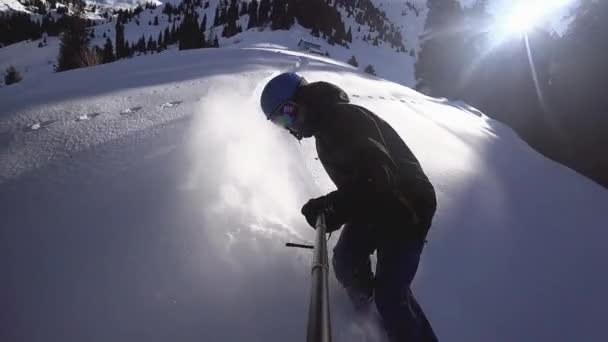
[(154, 204)]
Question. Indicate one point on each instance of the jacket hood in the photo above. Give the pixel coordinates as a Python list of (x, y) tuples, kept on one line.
[(321, 94), (317, 100)]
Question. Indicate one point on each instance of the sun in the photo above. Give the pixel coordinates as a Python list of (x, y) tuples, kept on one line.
[(523, 16), (522, 20)]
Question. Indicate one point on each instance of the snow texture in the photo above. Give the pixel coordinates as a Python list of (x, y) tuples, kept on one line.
[(149, 200)]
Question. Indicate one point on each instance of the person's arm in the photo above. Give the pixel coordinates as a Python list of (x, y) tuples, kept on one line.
[(374, 182), (374, 179), (366, 193)]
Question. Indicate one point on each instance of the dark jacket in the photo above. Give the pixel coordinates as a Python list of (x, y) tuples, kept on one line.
[(379, 179)]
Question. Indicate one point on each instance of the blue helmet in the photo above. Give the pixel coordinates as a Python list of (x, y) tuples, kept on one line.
[(280, 89)]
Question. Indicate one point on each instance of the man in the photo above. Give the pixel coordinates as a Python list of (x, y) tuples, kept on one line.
[(384, 200)]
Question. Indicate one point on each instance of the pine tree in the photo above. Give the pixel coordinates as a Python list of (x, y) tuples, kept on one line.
[(156, 20), (223, 13), (353, 61), (442, 13), (167, 38), (292, 12), (575, 96), (282, 15), (370, 70), (108, 52), (168, 9), (216, 17), (349, 35), (151, 46), (276, 14), (141, 44), (74, 48), (230, 29), (253, 14), (340, 33), (243, 8), (121, 48), (443, 57), (233, 10), (160, 42), (174, 34), (216, 43), (264, 9), (12, 76), (190, 36), (129, 49)]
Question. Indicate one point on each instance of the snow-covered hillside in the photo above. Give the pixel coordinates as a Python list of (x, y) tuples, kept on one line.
[(149, 200), (408, 15), (386, 60), (11, 5)]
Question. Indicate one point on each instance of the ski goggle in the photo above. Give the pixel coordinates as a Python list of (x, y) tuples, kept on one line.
[(285, 115)]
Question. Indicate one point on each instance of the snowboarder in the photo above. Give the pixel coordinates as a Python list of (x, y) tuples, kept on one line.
[(384, 200)]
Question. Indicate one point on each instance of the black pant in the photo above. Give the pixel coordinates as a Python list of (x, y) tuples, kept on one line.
[(397, 264)]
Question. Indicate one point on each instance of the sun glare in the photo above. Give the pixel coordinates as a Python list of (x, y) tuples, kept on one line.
[(525, 15), (521, 20)]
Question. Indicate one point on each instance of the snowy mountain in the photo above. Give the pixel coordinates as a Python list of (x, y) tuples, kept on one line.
[(149, 200), (384, 33)]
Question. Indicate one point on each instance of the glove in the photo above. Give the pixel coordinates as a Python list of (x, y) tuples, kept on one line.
[(316, 206), (313, 208)]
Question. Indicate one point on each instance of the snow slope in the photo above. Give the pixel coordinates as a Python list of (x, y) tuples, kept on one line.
[(149, 200), (32, 62)]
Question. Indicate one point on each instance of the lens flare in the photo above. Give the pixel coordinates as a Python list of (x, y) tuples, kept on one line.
[(525, 15), (521, 20)]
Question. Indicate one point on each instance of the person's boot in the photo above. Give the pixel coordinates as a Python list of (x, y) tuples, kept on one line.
[(361, 291), (360, 299), (356, 276)]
